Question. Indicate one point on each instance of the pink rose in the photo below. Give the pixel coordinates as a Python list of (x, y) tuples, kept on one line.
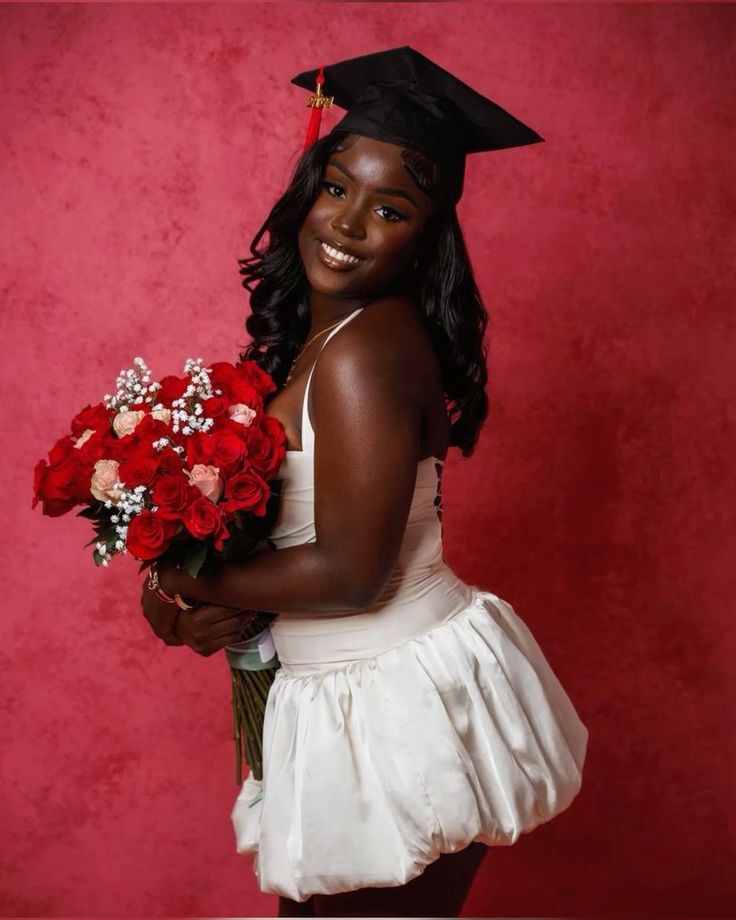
[(162, 415), (125, 423), (207, 479), (239, 412), (103, 481)]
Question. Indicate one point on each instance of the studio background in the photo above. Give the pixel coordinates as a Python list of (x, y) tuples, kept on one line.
[(142, 147)]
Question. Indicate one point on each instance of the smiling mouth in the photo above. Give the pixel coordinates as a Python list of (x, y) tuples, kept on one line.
[(334, 258)]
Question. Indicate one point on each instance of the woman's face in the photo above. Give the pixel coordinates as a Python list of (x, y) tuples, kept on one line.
[(361, 232)]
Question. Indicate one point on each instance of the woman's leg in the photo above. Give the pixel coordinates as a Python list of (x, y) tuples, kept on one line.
[(439, 891), (289, 908)]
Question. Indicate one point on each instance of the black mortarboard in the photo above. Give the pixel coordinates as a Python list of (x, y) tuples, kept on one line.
[(403, 97)]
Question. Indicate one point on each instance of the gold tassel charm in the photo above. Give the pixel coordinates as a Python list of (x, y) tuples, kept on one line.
[(316, 102)]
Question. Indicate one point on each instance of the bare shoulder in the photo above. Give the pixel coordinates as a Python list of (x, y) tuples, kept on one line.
[(396, 316), (387, 335)]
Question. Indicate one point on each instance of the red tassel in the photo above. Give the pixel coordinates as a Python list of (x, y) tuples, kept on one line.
[(316, 102), (315, 120)]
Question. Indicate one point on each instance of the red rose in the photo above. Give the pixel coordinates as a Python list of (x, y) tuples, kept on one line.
[(171, 388), (221, 373), (174, 495), (139, 469), (246, 492), (251, 373), (97, 446), (141, 438), (62, 486), (203, 519), (228, 450), (95, 417), (56, 497), (61, 449), (267, 446), (226, 423), (199, 449), (149, 535), (242, 391), (214, 406), (169, 462), (148, 430)]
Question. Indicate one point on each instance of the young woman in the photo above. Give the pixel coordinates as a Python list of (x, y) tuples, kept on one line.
[(414, 720)]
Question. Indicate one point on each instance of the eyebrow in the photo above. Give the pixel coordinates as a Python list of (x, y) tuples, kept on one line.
[(393, 192)]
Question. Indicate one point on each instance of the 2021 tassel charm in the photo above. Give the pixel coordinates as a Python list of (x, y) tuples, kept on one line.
[(316, 102)]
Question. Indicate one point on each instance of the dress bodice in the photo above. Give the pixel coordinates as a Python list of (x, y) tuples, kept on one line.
[(421, 580)]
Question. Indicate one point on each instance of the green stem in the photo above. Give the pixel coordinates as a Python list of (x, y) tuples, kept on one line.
[(250, 691), (251, 721), (237, 736)]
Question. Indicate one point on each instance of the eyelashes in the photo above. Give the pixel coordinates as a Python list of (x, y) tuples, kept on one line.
[(394, 215), (332, 185)]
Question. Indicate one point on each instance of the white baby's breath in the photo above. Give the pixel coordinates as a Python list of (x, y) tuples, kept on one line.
[(133, 386)]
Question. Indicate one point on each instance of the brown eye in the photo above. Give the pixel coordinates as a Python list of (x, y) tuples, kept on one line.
[(393, 215), (332, 185)]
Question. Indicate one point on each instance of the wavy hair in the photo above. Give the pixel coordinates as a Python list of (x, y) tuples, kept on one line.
[(442, 286)]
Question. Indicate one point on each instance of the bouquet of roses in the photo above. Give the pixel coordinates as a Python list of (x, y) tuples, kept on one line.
[(186, 467)]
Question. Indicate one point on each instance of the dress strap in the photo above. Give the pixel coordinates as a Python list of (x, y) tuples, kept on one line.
[(307, 430)]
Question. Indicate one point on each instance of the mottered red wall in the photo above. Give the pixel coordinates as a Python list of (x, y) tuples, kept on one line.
[(142, 146)]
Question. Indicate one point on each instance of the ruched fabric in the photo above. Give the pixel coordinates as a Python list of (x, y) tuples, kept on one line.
[(403, 731), (377, 767)]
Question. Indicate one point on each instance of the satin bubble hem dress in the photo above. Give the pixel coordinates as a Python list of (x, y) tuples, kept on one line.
[(404, 730)]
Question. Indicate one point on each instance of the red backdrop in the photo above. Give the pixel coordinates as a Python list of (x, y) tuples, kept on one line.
[(142, 146)]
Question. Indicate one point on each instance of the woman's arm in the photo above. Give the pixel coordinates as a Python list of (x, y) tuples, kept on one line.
[(367, 402)]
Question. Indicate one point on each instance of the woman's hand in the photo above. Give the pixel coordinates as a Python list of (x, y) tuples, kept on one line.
[(162, 617), (206, 629), (209, 628)]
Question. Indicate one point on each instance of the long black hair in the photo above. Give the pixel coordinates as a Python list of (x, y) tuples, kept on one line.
[(442, 286)]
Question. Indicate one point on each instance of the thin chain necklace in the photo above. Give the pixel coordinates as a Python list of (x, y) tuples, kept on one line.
[(304, 348)]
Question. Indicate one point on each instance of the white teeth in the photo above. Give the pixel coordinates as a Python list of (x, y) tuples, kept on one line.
[(340, 256)]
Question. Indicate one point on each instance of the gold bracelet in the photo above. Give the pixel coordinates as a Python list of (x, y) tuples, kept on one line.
[(183, 604), (155, 586)]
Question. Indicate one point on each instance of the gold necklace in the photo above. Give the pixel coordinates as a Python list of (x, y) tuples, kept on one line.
[(304, 348)]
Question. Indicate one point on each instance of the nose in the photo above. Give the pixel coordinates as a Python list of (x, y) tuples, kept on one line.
[(348, 221)]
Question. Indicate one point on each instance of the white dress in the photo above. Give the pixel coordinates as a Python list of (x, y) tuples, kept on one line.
[(405, 730)]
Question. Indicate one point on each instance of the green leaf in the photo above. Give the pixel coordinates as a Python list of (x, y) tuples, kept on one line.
[(194, 559), (108, 535), (90, 512)]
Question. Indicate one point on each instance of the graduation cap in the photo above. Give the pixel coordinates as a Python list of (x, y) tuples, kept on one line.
[(403, 97)]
